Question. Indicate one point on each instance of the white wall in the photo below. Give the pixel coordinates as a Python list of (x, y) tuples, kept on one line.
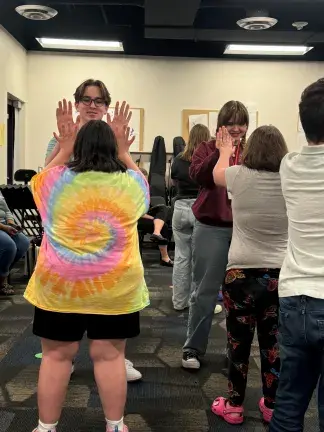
[(164, 88), (13, 80)]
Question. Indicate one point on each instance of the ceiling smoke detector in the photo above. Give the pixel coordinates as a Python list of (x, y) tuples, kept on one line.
[(36, 12), (300, 25), (257, 20)]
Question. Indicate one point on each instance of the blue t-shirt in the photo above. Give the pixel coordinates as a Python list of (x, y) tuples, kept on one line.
[(50, 147)]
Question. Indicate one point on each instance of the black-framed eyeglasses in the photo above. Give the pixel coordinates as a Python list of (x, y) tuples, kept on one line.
[(87, 100)]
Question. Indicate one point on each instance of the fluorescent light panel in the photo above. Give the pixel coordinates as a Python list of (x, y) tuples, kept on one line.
[(267, 50), (77, 44)]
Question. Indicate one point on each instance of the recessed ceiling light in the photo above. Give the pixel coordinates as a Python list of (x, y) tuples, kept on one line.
[(83, 45), (278, 50)]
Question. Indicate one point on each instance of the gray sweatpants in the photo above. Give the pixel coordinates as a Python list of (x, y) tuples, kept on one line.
[(183, 222), (210, 255)]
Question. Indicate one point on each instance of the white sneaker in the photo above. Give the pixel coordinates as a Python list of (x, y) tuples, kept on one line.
[(218, 309), (132, 373), (190, 360), (52, 430), (128, 362)]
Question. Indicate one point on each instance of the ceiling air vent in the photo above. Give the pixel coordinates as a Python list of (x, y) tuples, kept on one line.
[(36, 12), (257, 20)]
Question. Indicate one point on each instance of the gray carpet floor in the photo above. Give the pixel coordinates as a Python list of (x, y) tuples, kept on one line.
[(169, 399)]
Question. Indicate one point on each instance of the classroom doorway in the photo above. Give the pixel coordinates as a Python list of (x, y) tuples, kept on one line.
[(11, 125)]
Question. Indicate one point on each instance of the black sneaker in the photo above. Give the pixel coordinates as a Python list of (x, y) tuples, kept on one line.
[(7, 290), (190, 360)]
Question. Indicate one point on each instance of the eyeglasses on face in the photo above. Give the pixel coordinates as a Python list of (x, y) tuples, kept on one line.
[(87, 100)]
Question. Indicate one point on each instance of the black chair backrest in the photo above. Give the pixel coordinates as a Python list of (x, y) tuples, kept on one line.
[(22, 205), (24, 175), (157, 169)]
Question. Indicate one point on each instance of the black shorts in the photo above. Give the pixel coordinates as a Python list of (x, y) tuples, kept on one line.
[(70, 327)]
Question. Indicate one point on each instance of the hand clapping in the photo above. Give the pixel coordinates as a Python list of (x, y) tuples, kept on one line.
[(224, 142)]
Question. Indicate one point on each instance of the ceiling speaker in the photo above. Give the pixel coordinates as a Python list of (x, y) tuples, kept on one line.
[(36, 12), (257, 23)]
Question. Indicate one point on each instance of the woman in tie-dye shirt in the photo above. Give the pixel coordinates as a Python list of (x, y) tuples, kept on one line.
[(89, 275)]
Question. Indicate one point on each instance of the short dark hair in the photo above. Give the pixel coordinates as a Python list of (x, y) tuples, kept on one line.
[(235, 111), (95, 149), (79, 92), (311, 111), (265, 149)]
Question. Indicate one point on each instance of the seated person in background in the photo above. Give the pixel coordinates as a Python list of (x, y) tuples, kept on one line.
[(13, 246), (155, 222)]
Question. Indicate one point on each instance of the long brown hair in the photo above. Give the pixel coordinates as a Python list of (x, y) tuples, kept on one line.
[(198, 134), (236, 112), (265, 149)]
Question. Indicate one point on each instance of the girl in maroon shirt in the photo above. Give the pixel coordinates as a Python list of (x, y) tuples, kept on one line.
[(212, 232)]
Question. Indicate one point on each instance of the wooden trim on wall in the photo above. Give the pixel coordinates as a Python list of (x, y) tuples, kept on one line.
[(141, 132), (186, 113)]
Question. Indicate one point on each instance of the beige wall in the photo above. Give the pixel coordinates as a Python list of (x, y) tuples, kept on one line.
[(165, 87), (13, 80), (162, 87)]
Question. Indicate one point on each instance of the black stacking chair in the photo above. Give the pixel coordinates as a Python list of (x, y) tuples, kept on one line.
[(24, 175), (21, 204), (155, 201), (141, 235)]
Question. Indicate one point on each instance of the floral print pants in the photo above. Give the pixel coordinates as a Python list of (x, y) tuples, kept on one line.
[(251, 300)]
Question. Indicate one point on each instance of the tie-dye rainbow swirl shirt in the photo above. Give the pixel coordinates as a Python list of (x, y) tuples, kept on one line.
[(89, 261)]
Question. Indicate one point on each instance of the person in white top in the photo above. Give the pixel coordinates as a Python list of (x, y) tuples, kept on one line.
[(259, 242), (301, 284)]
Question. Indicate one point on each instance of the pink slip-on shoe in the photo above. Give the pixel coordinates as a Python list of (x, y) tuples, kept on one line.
[(222, 408), (266, 412)]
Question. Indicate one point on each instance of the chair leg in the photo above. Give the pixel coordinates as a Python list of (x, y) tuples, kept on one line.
[(28, 263), (141, 246), (140, 243), (34, 257)]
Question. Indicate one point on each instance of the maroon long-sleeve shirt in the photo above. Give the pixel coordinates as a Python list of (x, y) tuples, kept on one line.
[(212, 206)]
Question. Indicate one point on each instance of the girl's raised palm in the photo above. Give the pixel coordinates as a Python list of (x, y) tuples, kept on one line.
[(224, 142)]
